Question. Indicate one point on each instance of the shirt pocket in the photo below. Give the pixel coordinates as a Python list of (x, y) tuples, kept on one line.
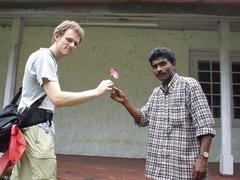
[(178, 116)]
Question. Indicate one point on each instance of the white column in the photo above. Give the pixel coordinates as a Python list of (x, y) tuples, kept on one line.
[(226, 158), (16, 41)]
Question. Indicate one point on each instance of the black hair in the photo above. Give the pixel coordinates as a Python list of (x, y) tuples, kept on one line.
[(162, 52)]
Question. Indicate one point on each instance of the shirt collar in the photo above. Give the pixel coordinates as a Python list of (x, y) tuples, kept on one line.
[(168, 89)]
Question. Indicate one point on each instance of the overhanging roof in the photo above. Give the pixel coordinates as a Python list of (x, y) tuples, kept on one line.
[(213, 7), (161, 14)]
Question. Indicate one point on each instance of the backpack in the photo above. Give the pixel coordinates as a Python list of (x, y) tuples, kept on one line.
[(10, 116)]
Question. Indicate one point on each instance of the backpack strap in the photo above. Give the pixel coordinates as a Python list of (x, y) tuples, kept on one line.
[(34, 106), (16, 97), (38, 102)]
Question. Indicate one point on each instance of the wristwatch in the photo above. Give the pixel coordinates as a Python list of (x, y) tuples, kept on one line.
[(204, 154)]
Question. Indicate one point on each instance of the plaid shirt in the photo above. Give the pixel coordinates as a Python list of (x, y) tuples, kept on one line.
[(176, 116)]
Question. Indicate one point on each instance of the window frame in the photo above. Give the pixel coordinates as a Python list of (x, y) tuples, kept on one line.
[(212, 55)]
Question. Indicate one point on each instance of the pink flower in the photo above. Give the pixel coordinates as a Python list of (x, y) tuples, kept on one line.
[(114, 73)]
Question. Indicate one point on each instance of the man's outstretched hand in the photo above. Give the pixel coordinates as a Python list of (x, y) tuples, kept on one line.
[(118, 95)]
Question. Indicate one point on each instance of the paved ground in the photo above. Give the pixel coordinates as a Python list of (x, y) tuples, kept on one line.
[(104, 168)]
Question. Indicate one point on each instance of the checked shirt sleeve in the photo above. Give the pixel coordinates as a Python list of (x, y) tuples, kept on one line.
[(144, 111), (201, 115)]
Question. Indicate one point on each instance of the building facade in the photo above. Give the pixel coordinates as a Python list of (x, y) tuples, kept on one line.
[(120, 34)]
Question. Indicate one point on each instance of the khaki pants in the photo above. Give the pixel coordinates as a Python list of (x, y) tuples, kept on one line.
[(39, 159)]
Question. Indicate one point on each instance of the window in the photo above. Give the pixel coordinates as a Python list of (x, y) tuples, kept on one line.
[(209, 78), (205, 67), (236, 88)]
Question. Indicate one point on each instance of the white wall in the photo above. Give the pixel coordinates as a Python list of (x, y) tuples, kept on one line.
[(102, 127)]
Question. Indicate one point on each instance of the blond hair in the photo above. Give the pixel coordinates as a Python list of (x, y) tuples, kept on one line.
[(65, 25)]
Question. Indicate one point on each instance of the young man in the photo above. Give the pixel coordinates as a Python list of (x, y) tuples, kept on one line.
[(180, 123), (41, 77)]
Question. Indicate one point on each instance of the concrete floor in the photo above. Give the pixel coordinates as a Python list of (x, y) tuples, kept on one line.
[(72, 167)]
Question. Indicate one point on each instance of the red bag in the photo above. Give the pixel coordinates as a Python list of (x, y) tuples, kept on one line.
[(15, 150)]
